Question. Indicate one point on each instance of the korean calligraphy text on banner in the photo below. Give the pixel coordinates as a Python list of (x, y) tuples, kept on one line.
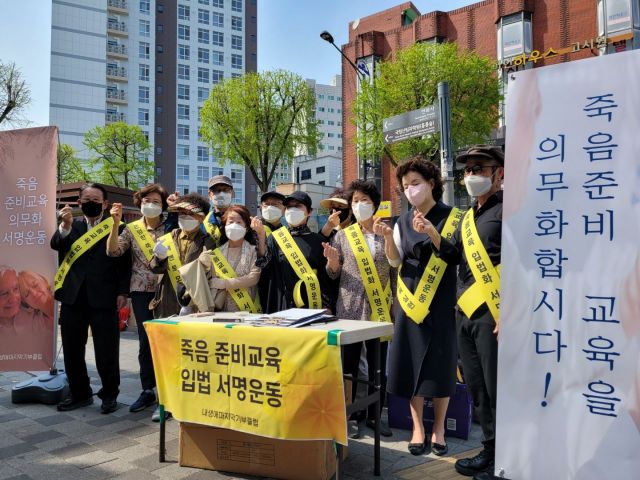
[(27, 264), (274, 382), (569, 348)]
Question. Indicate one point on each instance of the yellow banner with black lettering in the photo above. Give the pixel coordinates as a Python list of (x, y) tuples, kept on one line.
[(302, 269), (173, 260), (240, 295), (140, 234), (274, 382), (417, 305), (486, 288), (79, 247), (212, 229)]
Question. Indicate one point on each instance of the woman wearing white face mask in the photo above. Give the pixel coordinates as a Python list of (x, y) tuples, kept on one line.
[(288, 286), (354, 300), (138, 238), (230, 271), (422, 361)]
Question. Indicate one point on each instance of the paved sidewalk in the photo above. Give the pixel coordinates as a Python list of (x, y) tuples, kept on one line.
[(38, 442)]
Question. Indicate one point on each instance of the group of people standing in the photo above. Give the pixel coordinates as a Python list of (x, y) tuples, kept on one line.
[(191, 254)]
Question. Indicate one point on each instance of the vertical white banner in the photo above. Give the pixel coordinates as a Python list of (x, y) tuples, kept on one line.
[(569, 346)]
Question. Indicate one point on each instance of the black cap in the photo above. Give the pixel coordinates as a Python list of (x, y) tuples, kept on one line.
[(299, 196), (491, 152), (272, 194)]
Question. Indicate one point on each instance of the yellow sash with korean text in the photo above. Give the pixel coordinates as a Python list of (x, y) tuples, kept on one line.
[(416, 305), (379, 299), (268, 230), (79, 247), (486, 288), (240, 295), (140, 234), (173, 260), (212, 229), (302, 269)]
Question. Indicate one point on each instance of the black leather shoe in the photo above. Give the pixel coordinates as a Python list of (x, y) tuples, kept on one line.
[(385, 431), (439, 450), (473, 465), (71, 403), (146, 399), (486, 475), (418, 448), (109, 405)]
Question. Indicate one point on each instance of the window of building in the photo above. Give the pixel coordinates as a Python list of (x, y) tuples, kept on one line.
[(203, 2), (514, 35), (143, 50), (331, 97), (143, 94), (203, 16), (305, 174), (203, 55), (236, 5), (615, 16), (184, 32), (339, 110), (339, 124), (217, 58), (183, 112), (143, 72), (203, 94), (339, 99), (183, 72), (183, 92), (183, 152), (236, 75), (184, 52), (321, 109), (331, 147), (160, 8), (339, 135), (184, 12), (236, 24), (330, 122), (159, 68), (144, 28), (158, 149), (199, 114), (203, 156), (236, 42), (145, 6), (203, 35), (236, 175), (159, 109), (183, 132), (331, 110), (202, 174), (217, 20), (160, 48), (331, 135), (217, 3), (236, 60), (320, 169), (217, 39), (159, 28), (159, 89), (203, 75), (143, 116), (182, 172), (321, 182), (320, 96), (158, 131), (182, 189), (216, 76), (216, 171)]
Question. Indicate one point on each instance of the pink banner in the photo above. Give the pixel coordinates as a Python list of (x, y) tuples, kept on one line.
[(27, 264)]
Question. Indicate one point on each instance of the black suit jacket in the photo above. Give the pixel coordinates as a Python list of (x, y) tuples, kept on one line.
[(103, 277)]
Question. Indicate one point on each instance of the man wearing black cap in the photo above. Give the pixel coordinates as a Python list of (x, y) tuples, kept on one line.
[(292, 261), (220, 197), (272, 210), (476, 247)]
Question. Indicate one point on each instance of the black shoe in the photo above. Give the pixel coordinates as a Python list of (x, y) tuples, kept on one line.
[(71, 403), (472, 465), (385, 431), (439, 450), (146, 399), (109, 405), (486, 475), (355, 429), (418, 448)]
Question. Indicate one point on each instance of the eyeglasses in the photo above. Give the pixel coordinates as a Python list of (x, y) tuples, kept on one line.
[(476, 169)]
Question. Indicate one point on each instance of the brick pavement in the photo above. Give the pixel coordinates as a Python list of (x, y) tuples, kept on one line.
[(37, 442)]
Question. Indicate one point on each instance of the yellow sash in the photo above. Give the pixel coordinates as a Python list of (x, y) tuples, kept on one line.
[(268, 229), (212, 230), (141, 236), (302, 269), (486, 288), (378, 300), (240, 295), (417, 305), (173, 259), (79, 247)]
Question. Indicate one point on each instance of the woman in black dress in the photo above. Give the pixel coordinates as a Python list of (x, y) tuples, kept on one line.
[(423, 352)]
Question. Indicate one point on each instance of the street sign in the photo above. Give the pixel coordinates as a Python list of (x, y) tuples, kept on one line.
[(416, 123)]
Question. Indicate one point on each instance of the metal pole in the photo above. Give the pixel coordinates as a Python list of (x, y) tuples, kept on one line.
[(446, 160)]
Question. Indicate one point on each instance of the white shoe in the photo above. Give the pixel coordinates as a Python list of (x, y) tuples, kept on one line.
[(155, 417)]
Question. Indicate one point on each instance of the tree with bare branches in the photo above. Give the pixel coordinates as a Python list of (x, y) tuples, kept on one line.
[(15, 95)]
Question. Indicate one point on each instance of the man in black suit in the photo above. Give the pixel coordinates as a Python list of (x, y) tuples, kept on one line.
[(93, 287)]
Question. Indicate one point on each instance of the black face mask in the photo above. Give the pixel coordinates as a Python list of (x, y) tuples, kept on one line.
[(344, 214), (91, 209)]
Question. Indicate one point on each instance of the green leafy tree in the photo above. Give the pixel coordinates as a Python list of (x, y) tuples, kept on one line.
[(261, 120), (119, 155), (15, 95), (70, 167), (410, 81)]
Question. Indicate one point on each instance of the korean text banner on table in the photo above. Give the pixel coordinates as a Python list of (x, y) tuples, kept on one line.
[(27, 264), (569, 363), (275, 382)]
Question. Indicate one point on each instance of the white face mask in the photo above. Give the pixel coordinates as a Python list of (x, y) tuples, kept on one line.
[(271, 214), (150, 210), (363, 211), (187, 223), (416, 194), (235, 231), (477, 185), (294, 216), (222, 199)]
